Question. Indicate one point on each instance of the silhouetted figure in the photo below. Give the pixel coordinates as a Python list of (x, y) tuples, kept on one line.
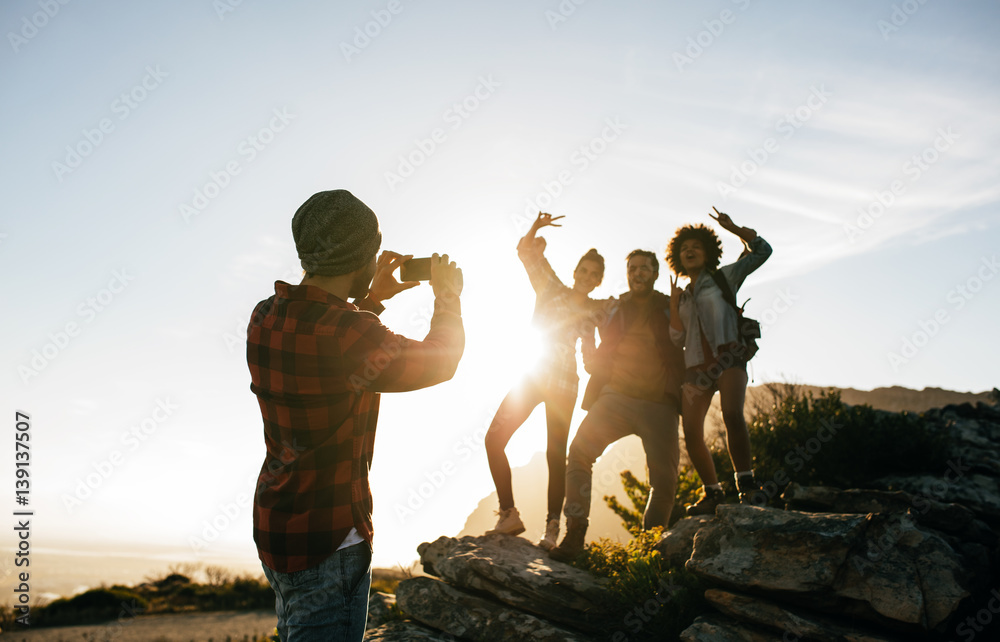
[(634, 389), (317, 364), (705, 323), (563, 314)]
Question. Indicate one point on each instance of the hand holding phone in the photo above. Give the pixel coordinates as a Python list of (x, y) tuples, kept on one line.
[(446, 278), (416, 270)]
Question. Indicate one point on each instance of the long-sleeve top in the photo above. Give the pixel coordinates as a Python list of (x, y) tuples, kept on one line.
[(562, 319), (614, 328), (317, 364), (703, 308)]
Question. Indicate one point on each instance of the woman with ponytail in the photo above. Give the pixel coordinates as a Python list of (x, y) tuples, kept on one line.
[(564, 314)]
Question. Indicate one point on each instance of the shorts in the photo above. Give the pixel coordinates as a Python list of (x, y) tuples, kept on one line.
[(705, 376)]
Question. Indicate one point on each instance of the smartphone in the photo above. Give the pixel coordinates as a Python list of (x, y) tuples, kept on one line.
[(415, 270)]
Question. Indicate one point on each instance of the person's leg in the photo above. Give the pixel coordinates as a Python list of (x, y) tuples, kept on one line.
[(657, 427), (732, 395), (606, 423), (328, 602), (697, 400), (273, 578), (513, 412), (558, 415)]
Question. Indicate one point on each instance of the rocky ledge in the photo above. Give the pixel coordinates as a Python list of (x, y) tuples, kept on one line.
[(914, 559)]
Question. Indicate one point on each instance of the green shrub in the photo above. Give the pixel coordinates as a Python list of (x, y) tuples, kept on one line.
[(651, 601), (95, 605), (823, 441)]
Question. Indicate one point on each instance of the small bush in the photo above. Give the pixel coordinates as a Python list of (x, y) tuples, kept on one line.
[(823, 441), (95, 605), (651, 601)]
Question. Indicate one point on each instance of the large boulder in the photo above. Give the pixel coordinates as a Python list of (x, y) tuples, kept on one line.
[(716, 628), (381, 608), (954, 519), (516, 572), (405, 632), (883, 568), (677, 543), (789, 622), (470, 617), (979, 493)]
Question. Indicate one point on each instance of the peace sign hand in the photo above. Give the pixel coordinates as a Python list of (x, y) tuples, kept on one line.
[(546, 220), (675, 290), (724, 220)]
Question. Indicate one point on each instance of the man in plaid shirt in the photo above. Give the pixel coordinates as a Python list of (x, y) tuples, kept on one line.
[(317, 364)]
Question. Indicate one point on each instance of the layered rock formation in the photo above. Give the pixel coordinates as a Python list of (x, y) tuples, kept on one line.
[(915, 558)]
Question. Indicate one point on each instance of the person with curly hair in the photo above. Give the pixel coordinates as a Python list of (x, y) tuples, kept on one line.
[(564, 314), (705, 324)]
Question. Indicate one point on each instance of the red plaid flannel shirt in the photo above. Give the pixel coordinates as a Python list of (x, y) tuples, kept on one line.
[(317, 364)]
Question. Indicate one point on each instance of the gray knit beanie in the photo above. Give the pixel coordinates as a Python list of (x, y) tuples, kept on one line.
[(335, 233)]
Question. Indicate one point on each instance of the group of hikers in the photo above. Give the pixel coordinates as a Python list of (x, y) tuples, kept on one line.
[(319, 361)]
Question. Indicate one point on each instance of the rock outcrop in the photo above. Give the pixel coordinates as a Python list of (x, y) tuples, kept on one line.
[(915, 558)]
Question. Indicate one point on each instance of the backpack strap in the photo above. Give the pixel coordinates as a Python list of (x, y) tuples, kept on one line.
[(727, 292)]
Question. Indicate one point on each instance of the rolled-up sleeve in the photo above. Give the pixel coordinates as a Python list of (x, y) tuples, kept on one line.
[(375, 359), (738, 271)]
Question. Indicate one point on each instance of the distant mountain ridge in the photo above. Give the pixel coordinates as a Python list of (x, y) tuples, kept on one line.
[(531, 480)]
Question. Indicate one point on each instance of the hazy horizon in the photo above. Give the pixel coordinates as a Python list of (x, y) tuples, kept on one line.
[(96, 562)]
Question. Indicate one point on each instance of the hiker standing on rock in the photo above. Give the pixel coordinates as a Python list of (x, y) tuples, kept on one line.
[(704, 321), (634, 389), (564, 315), (317, 365)]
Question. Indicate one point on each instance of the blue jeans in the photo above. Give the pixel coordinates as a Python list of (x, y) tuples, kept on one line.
[(325, 603)]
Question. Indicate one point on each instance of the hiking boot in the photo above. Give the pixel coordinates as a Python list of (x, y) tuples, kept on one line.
[(548, 541), (572, 544), (710, 498), (750, 491), (509, 523)]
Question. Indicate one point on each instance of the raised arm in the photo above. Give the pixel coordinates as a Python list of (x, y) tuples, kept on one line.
[(530, 249), (387, 362), (726, 222), (755, 253)]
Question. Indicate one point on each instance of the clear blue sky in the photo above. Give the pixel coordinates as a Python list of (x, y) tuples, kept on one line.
[(153, 155)]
